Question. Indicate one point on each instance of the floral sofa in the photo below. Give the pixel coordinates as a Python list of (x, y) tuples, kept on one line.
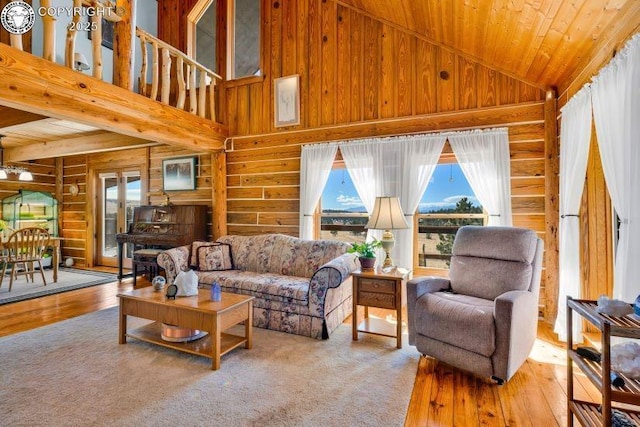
[(300, 286)]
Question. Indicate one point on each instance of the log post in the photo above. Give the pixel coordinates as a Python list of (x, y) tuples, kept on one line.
[(124, 34), (551, 205), (142, 89), (219, 196)]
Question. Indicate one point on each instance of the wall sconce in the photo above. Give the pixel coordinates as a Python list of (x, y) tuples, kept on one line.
[(80, 62)]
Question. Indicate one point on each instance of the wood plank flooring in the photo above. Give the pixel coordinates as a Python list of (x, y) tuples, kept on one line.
[(442, 395)]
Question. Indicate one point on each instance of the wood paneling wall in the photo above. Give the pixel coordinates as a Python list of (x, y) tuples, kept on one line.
[(353, 68), (77, 215), (74, 215)]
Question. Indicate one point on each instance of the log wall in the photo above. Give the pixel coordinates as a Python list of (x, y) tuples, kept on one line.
[(78, 211)]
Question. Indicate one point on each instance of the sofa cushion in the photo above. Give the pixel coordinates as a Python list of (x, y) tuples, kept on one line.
[(460, 320), (269, 286), (214, 257), (281, 254)]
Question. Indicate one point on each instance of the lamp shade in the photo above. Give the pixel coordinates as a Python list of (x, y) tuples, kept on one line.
[(25, 176), (387, 214), (80, 61)]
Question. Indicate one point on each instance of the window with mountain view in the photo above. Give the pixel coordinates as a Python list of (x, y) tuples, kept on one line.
[(447, 204)]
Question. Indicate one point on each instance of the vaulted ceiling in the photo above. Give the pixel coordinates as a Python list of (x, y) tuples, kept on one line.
[(545, 42)]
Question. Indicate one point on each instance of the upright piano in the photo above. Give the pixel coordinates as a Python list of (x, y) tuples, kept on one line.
[(163, 227)]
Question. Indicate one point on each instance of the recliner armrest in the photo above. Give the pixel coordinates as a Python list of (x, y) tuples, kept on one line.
[(516, 314), (415, 289)]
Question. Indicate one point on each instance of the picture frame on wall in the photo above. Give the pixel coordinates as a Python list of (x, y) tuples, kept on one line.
[(287, 101), (179, 174)]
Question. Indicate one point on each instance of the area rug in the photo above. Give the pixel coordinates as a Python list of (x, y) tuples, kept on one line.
[(75, 373), (68, 280)]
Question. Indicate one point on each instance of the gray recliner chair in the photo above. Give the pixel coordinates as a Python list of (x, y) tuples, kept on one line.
[(484, 318)]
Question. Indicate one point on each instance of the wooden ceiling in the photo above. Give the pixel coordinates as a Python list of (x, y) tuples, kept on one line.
[(27, 136), (543, 42)]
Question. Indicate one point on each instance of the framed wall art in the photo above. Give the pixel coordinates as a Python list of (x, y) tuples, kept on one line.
[(179, 174), (287, 101)]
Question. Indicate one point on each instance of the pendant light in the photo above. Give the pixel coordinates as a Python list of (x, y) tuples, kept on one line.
[(5, 171)]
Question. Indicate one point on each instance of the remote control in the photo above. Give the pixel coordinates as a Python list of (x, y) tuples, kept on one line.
[(589, 353), (616, 380)]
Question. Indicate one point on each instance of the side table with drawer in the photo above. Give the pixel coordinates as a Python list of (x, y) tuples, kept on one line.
[(382, 290)]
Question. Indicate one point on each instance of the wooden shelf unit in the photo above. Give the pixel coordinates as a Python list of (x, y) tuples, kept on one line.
[(599, 373)]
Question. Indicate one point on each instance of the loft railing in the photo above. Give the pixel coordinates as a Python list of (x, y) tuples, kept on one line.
[(176, 79), (187, 80)]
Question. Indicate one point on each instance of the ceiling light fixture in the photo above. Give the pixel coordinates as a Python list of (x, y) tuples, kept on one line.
[(5, 171)]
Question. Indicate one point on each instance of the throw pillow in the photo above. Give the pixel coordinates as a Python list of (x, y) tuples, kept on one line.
[(193, 259), (214, 258)]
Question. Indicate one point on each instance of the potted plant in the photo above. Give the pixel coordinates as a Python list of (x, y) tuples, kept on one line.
[(366, 252)]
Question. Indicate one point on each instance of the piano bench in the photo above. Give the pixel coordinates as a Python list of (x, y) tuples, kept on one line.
[(145, 261)]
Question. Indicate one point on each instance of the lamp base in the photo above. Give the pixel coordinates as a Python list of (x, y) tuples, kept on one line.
[(388, 241)]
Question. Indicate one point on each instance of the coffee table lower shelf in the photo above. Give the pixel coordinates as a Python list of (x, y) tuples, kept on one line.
[(152, 332), (588, 413)]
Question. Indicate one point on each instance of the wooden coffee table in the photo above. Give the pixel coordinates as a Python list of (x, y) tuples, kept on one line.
[(195, 312)]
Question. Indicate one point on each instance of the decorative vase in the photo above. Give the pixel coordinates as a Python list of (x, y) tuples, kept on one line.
[(636, 306), (158, 283), (367, 264)]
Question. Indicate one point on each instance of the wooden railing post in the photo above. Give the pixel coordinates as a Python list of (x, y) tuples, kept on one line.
[(96, 43), (49, 32), (124, 34), (70, 49), (190, 76)]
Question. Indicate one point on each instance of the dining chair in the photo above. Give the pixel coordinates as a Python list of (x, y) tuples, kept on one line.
[(25, 246)]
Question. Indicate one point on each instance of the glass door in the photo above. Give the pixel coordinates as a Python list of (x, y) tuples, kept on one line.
[(120, 193)]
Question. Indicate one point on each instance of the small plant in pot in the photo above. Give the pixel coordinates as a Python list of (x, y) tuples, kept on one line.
[(366, 252)]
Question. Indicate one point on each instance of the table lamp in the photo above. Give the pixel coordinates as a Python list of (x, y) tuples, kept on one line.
[(387, 215)]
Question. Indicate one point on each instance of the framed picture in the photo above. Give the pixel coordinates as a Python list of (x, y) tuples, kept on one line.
[(179, 174), (287, 101), (107, 34)]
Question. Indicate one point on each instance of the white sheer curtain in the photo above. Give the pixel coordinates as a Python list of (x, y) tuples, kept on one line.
[(616, 111), (399, 166), (575, 135), (483, 156), (315, 166), (419, 158)]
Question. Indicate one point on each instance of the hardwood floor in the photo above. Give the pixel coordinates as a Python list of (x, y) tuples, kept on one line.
[(442, 395)]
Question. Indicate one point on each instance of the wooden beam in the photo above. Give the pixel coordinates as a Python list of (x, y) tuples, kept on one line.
[(12, 117), (459, 120), (219, 196), (552, 205), (99, 142), (39, 86)]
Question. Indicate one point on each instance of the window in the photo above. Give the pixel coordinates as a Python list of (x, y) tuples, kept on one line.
[(343, 215), (244, 39), (201, 35), (447, 204)]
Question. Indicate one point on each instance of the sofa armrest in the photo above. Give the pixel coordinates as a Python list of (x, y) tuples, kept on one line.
[(174, 261), (415, 289), (330, 275), (516, 319)]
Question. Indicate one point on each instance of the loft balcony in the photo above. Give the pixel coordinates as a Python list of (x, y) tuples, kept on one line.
[(169, 98)]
